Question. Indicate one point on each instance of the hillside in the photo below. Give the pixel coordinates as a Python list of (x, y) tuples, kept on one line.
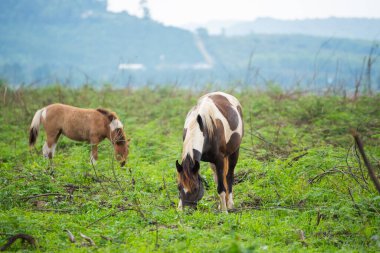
[(74, 39), (287, 60), (79, 42), (352, 28)]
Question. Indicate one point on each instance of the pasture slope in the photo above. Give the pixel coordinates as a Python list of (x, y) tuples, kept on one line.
[(300, 185)]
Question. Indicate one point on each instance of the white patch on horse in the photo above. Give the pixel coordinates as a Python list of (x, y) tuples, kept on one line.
[(180, 205), (223, 206), (115, 124), (216, 114), (46, 150), (230, 203), (185, 190)]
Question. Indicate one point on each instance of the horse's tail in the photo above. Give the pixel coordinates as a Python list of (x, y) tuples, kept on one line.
[(35, 126)]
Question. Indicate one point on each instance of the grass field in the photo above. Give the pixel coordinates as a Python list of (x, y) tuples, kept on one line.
[(300, 184)]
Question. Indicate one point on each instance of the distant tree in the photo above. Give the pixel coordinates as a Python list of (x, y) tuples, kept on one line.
[(145, 9), (202, 32), (42, 72), (370, 62), (13, 72)]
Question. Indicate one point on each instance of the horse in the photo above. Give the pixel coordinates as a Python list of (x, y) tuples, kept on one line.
[(78, 124), (213, 131)]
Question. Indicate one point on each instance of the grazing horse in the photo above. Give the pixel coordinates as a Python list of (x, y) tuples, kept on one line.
[(212, 133), (79, 124)]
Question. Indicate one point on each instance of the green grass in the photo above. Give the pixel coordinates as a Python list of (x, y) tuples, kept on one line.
[(284, 202)]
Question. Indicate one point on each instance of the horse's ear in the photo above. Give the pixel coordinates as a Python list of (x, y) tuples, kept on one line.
[(196, 167), (200, 122), (179, 167), (111, 117)]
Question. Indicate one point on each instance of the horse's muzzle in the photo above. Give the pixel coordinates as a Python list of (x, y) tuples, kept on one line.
[(122, 163)]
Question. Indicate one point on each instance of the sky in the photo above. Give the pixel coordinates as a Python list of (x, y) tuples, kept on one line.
[(185, 12)]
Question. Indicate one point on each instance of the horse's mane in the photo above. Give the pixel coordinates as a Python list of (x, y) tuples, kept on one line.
[(208, 120), (110, 115), (206, 106), (119, 137), (204, 110)]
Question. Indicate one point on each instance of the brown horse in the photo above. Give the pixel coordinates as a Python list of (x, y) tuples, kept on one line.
[(212, 133), (79, 124)]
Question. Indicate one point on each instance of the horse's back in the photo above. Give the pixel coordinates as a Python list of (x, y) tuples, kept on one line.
[(74, 122), (223, 113)]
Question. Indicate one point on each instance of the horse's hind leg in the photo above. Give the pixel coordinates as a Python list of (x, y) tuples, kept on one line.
[(94, 153), (51, 143), (232, 160), (94, 140)]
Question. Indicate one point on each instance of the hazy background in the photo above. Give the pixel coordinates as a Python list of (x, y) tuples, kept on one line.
[(184, 12), (294, 43)]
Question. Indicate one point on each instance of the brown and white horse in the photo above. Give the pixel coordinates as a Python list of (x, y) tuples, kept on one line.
[(79, 124), (212, 133)]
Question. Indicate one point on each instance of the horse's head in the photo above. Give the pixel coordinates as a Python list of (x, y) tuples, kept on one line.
[(190, 184), (117, 136), (120, 144)]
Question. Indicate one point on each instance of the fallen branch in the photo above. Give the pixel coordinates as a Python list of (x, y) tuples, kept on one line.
[(319, 217), (100, 182), (44, 195), (121, 209), (24, 237), (294, 159), (71, 236), (353, 201), (241, 176), (106, 238), (108, 215), (259, 136), (301, 233), (54, 210), (115, 177), (88, 239), (156, 245), (357, 155), (274, 207), (371, 172), (319, 177)]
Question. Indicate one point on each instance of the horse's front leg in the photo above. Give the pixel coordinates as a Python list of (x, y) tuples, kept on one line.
[(94, 153), (222, 184)]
